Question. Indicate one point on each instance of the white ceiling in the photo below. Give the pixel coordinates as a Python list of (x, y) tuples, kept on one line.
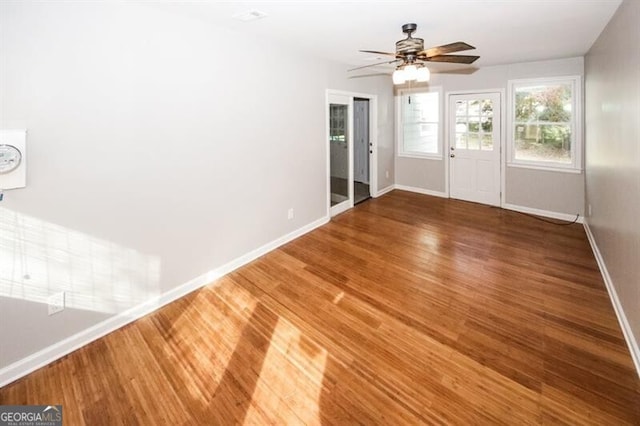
[(503, 31)]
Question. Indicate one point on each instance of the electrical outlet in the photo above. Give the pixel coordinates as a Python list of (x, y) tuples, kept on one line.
[(55, 303), (386, 174), (290, 213)]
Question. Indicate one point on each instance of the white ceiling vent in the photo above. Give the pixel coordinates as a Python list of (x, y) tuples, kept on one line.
[(251, 15)]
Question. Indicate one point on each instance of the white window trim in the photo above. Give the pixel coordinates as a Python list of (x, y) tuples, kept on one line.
[(577, 141), (400, 125)]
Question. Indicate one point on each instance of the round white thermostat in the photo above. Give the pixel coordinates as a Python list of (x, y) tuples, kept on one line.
[(10, 158)]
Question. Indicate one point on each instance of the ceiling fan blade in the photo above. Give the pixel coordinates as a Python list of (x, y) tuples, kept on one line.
[(379, 53), (456, 59), (458, 46), (373, 65)]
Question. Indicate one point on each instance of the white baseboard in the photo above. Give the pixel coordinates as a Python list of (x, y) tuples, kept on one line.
[(51, 353), (421, 191), (383, 191), (632, 343), (543, 213)]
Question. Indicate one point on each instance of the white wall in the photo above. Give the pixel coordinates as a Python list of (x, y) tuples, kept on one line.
[(613, 155), (545, 190), (154, 145)]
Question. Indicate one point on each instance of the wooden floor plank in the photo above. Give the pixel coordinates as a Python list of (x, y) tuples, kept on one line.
[(408, 309)]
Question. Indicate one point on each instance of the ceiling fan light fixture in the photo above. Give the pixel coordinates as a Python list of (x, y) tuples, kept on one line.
[(423, 74), (399, 76), (410, 72)]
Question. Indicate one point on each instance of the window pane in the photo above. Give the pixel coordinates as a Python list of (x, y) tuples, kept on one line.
[(551, 103), (461, 108), (543, 142), (461, 124), (487, 108), (487, 142), (474, 124), (474, 108), (543, 119), (420, 117), (487, 124), (461, 140), (420, 107), (421, 137), (474, 141)]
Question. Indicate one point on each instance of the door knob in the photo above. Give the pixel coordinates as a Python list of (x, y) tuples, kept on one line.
[(452, 156)]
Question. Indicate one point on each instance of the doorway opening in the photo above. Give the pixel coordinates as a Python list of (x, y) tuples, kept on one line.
[(351, 153)]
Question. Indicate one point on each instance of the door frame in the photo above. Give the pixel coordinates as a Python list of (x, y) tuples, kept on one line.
[(503, 128), (373, 140)]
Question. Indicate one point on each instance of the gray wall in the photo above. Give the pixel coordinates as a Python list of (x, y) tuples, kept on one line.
[(613, 153), (546, 190), (157, 152)]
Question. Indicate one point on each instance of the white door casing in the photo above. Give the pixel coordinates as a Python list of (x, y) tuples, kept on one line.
[(475, 143)]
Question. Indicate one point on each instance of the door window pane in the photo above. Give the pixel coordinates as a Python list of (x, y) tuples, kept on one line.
[(487, 124), (461, 140), (473, 141), (487, 108), (474, 125), (474, 107), (487, 142)]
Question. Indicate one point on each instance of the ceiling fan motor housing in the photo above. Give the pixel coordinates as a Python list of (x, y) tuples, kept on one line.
[(410, 45)]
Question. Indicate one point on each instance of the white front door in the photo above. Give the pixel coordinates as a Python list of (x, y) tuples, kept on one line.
[(474, 147)]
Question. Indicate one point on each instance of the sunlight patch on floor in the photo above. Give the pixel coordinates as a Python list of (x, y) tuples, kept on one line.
[(294, 367)]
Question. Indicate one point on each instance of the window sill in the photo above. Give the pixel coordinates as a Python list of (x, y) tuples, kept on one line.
[(545, 168), (421, 156)]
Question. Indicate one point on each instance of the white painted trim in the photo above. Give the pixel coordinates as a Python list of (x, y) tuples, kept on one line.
[(421, 191), (384, 191), (633, 345), (539, 166), (51, 353), (340, 208), (543, 213)]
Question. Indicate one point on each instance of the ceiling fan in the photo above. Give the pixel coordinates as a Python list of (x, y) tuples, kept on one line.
[(411, 55)]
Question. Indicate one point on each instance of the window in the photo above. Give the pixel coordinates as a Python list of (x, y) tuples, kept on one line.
[(545, 123), (419, 129)]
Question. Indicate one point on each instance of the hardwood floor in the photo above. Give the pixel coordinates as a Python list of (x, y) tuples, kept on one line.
[(408, 309)]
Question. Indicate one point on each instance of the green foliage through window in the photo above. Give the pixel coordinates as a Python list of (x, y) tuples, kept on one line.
[(543, 122)]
